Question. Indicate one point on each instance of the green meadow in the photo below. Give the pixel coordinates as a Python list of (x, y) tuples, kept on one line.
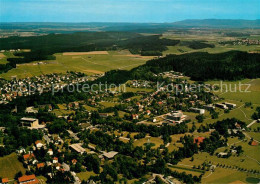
[(10, 165), (88, 64)]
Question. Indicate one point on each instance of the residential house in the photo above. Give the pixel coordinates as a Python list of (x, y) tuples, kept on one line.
[(74, 161), (28, 179), (40, 165), (5, 181), (135, 116), (50, 152), (55, 160), (38, 144), (28, 157), (254, 143)]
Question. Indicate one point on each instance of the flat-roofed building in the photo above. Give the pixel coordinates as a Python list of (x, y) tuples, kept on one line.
[(29, 122), (209, 107), (175, 117), (222, 106), (197, 110), (230, 105)]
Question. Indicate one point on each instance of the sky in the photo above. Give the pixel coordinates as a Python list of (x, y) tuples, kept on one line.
[(156, 11)]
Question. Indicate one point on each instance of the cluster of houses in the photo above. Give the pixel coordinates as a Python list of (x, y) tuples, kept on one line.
[(140, 84), (171, 75), (26, 179), (10, 90), (246, 41)]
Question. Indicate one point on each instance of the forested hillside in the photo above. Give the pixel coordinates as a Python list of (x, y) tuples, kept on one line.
[(233, 65), (43, 47)]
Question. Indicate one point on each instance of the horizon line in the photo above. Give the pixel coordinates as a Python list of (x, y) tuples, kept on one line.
[(125, 22)]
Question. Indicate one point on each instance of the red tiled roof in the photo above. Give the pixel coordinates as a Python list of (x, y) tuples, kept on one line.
[(55, 158), (198, 140), (26, 178), (37, 142), (28, 156), (5, 180), (74, 161), (40, 165), (254, 143)]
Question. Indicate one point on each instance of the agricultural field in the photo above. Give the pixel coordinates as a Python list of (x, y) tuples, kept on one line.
[(10, 166), (211, 38), (93, 63), (250, 89)]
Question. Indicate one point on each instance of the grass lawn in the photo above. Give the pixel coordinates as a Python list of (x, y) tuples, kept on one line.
[(247, 160), (108, 104), (85, 175), (255, 135), (89, 64), (155, 140), (42, 179), (222, 175), (186, 170), (62, 112), (239, 95), (89, 108), (212, 39), (9, 166)]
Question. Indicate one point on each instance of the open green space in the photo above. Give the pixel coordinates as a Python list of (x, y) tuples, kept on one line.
[(154, 141), (89, 64), (85, 175), (10, 165)]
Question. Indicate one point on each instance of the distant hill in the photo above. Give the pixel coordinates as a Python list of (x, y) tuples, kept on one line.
[(53, 27), (218, 23)]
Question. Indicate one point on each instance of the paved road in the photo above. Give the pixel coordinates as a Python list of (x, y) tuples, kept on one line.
[(253, 122)]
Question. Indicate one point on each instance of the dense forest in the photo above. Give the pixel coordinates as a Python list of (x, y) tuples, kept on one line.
[(43, 47), (233, 65), (197, 44)]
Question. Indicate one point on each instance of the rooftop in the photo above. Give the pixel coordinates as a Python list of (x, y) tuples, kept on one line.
[(110, 154), (26, 178), (77, 147), (28, 119)]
